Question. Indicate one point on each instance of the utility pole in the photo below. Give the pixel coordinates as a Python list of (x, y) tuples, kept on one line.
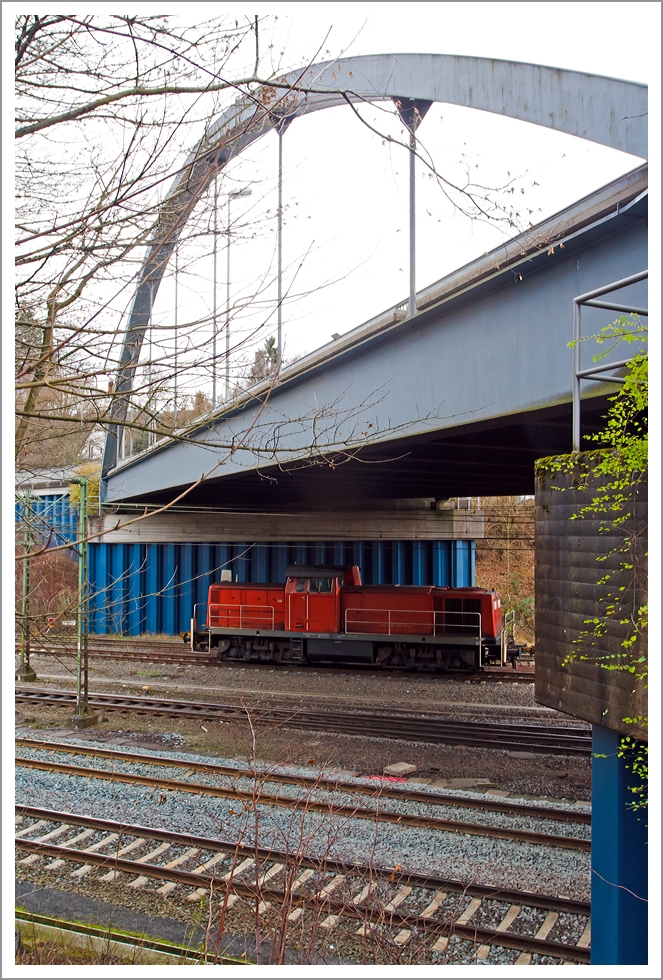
[(243, 192), (25, 671), (282, 125), (412, 112), (83, 717), (215, 233), (177, 276)]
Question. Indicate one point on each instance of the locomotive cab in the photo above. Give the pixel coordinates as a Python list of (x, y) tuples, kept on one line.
[(313, 597)]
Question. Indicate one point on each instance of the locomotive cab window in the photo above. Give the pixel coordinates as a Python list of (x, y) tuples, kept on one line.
[(317, 584)]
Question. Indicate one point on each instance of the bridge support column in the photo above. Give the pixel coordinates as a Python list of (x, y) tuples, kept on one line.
[(619, 858)]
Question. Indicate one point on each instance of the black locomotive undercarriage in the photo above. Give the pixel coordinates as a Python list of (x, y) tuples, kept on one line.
[(395, 655)]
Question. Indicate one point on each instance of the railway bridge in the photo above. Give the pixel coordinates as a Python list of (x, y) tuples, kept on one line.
[(351, 453)]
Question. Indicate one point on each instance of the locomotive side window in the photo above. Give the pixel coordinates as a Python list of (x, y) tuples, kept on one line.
[(314, 585)]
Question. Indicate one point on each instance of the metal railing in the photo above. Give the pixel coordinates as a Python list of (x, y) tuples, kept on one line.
[(400, 622), (599, 372), (242, 616), (195, 617)]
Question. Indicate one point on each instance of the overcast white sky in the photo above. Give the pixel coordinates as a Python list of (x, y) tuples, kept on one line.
[(346, 192)]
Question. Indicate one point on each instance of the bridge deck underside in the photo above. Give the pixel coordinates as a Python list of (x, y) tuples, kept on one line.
[(480, 460)]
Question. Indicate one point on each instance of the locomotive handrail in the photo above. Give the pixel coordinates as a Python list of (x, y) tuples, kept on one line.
[(462, 621), (232, 610), (196, 606), (509, 621), (193, 629)]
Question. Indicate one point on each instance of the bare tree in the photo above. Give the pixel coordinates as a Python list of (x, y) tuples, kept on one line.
[(106, 107)]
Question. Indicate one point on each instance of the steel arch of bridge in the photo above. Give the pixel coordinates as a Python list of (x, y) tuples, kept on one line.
[(603, 110)]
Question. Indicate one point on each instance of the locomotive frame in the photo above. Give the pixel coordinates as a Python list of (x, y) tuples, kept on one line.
[(323, 615)]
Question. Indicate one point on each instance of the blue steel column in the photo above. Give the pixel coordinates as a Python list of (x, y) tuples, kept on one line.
[(359, 558), (186, 598), (419, 563), (204, 578), (378, 563), (619, 859), (93, 591), (460, 564), (102, 595), (222, 560), (116, 590), (260, 570), (441, 563), (399, 574), (203, 574), (169, 601), (152, 589), (280, 561), (134, 597), (241, 560)]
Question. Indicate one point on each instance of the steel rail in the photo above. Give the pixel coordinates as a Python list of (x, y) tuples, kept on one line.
[(385, 791), (111, 651), (347, 908), (395, 725), (283, 698), (497, 893), (307, 805)]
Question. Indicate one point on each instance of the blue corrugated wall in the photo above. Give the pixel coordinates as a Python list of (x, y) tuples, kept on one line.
[(151, 588), (54, 520)]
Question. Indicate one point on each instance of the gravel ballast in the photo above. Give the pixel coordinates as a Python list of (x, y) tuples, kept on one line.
[(489, 860), (560, 780)]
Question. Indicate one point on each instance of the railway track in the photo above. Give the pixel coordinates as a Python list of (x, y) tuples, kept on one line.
[(386, 903), (176, 655), (407, 726), (305, 803), (173, 653), (387, 791)]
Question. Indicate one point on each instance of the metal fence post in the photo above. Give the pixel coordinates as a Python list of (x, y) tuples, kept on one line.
[(84, 717), (25, 671), (576, 379)]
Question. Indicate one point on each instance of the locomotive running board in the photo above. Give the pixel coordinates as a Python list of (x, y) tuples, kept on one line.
[(443, 639)]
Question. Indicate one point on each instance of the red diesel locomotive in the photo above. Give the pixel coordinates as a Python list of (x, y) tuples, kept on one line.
[(323, 614)]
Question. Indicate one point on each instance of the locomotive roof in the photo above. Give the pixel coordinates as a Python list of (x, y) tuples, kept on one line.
[(315, 571)]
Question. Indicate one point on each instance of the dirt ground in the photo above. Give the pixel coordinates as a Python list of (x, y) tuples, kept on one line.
[(542, 775)]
